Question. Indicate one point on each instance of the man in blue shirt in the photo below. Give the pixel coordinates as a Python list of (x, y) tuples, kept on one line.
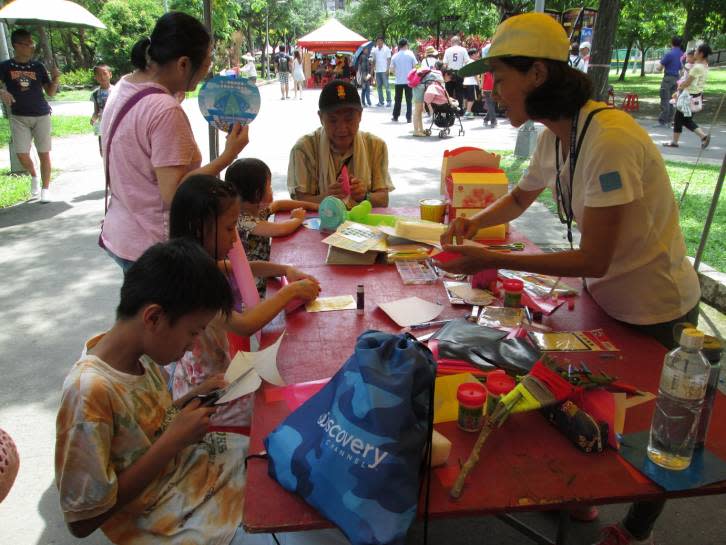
[(671, 63)]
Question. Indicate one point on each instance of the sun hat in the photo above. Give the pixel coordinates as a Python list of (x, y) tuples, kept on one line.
[(248, 57), (339, 94), (584, 45), (534, 35), (431, 50)]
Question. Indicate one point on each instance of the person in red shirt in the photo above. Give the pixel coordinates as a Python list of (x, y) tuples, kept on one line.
[(487, 87)]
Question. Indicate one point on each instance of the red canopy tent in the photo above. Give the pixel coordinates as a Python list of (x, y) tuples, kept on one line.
[(333, 36)]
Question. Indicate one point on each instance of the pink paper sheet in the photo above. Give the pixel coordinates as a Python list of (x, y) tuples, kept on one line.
[(244, 277)]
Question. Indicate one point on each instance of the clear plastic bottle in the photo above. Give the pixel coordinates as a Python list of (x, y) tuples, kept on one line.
[(678, 407)]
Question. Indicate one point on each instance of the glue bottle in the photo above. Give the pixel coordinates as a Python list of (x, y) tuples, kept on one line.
[(360, 299)]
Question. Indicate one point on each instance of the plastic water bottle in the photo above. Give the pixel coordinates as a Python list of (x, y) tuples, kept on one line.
[(678, 407)]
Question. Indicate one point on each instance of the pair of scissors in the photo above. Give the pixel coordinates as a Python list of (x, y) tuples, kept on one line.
[(212, 397), (512, 246)]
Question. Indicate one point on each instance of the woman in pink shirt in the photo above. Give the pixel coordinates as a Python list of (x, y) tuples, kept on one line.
[(153, 149)]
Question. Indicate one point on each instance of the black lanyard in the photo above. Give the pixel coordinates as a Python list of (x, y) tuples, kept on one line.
[(564, 206)]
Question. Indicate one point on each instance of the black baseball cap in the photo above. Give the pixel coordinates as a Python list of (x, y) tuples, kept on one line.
[(339, 94)]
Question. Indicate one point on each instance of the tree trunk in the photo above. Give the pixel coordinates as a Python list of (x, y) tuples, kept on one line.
[(74, 49), (85, 50), (602, 46), (625, 62), (44, 43), (643, 51)]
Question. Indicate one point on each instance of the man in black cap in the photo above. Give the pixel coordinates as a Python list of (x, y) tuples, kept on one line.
[(317, 159)]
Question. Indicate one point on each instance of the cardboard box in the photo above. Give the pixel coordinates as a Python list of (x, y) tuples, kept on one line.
[(495, 232), (476, 187), (465, 156)]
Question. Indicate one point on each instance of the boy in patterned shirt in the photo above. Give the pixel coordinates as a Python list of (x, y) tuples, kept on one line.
[(128, 459)]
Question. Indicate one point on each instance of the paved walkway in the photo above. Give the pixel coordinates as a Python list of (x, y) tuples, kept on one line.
[(60, 288)]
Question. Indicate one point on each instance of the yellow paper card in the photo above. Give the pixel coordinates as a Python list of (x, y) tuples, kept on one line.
[(324, 304), (446, 407)]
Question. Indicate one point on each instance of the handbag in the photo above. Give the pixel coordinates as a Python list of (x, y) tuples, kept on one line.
[(130, 103), (696, 103), (354, 450)]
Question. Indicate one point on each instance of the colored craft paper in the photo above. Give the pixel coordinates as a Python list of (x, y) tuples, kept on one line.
[(244, 277), (446, 406), (411, 310), (312, 223), (325, 304), (258, 366), (345, 180), (574, 341), (705, 468), (410, 235)]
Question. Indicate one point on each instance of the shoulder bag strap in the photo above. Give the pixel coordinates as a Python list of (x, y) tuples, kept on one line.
[(130, 103)]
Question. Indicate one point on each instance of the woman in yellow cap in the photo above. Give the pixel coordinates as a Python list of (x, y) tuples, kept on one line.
[(609, 177)]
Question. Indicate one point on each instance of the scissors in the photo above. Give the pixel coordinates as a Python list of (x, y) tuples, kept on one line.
[(512, 246), (210, 398)]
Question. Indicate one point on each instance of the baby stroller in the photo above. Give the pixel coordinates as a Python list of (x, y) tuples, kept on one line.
[(445, 109)]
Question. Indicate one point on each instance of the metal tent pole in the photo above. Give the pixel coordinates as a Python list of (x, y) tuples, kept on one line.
[(711, 213), (213, 134), (15, 166), (527, 134)]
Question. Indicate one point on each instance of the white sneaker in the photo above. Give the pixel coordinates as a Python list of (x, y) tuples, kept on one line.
[(34, 186), (45, 195)]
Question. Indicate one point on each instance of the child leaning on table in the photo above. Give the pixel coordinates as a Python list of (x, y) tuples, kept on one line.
[(128, 459), (205, 210), (253, 181)]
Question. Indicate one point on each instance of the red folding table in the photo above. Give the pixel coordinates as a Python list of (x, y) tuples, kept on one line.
[(527, 465)]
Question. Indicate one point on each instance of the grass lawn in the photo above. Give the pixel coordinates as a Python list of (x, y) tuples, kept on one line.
[(648, 90), (14, 188), (694, 208), (72, 95), (62, 125)]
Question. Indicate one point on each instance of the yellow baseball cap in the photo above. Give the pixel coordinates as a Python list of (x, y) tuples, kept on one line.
[(535, 35)]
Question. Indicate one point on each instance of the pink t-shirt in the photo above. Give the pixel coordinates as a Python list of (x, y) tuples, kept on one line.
[(154, 133)]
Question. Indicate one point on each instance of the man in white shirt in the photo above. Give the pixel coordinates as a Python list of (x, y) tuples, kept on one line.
[(455, 57), (585, 55), (402, 63), (381, 56), (576, 61)]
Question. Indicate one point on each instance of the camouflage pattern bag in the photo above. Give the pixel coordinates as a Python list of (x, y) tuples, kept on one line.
[(354, 450)]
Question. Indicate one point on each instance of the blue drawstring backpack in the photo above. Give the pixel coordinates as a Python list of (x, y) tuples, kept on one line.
[(354, 450)]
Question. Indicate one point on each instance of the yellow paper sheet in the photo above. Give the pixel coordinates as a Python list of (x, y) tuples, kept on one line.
[(446, 407), (324, 304)]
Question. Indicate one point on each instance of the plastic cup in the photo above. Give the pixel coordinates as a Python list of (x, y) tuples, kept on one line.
[(433, 210)]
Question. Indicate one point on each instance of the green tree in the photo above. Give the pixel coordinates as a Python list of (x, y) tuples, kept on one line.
[(645, 24), (704, 18), (126, 22), (225, 14)]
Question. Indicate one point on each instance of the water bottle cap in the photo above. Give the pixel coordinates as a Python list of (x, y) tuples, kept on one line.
[(692, 338)]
